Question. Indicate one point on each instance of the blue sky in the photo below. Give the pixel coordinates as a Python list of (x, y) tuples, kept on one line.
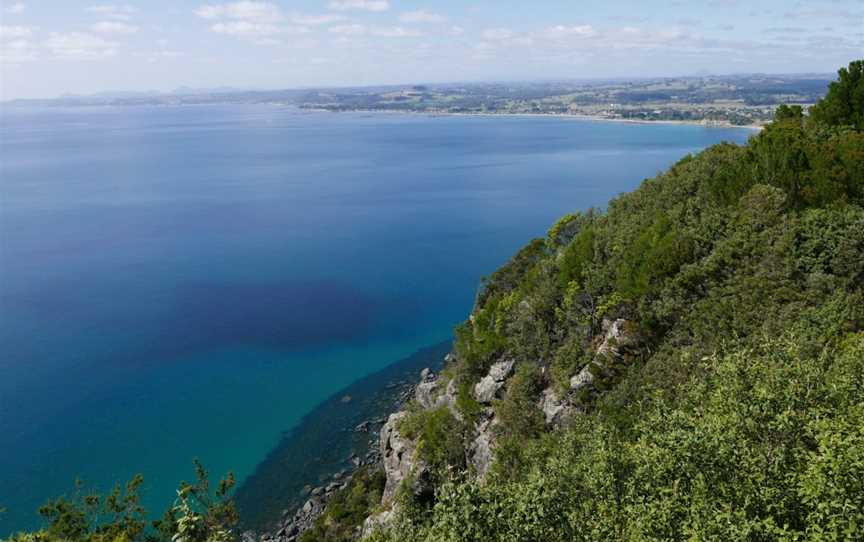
[(52, 47)]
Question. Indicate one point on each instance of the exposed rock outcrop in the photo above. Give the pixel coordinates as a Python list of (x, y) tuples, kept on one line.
[(426, 391), (448, 398), (377, 522), (490, 385), (480, 450), (398, 455), (618, 343), (292, 526), (556, 410), (429, 393), (616, 346)]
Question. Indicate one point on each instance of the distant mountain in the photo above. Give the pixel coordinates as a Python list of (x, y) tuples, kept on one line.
[(191, 91), (111, 95)]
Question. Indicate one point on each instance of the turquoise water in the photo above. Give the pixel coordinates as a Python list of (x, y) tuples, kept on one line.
[(190, 282)]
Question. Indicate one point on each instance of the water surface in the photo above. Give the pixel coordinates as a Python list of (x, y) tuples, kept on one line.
[(180, 282)]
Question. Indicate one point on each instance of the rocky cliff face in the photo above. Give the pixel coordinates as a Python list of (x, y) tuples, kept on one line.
[(617, 346), (400, 460), (398, 457), (399, 454)]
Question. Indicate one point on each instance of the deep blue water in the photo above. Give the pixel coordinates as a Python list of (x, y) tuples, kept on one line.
[(190, 282)]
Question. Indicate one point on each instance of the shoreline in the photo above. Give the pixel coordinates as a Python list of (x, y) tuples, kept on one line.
[(330, 442), (565, 116)]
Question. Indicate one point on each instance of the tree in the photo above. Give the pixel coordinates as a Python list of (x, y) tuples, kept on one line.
[(844, 103), (789, 112)]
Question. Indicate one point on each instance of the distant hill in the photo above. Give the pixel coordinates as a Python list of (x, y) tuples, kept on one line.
[(730, 99)]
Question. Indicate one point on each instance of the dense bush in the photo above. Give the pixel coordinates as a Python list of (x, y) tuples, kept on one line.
[(768, 446), (844, 104), (439, 436)]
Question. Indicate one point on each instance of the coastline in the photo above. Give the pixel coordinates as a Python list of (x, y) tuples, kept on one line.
[(565, 116), (330, 442)]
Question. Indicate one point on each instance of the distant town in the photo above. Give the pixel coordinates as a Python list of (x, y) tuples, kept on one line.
[(737, 100)]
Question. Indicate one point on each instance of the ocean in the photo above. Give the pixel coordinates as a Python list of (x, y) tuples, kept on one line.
[(182, 282)]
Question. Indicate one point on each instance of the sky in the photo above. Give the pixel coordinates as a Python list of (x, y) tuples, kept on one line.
[(50, 48)]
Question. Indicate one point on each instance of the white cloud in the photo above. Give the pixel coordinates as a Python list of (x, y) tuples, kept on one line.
[(562, 32), (689, 21), (79, 46), (314, 20), (421, 16), (17, 52), (113, 27), (16, 8), (723, 4), (348, 29), (498, 34), (246, 29), (785, 30), (114, 11), (15, 32), (456, 31), (258, 21), (575, 44), (155, 56), (395, 32), (381, 31), (824, 12), (363, 5), (248, 10)]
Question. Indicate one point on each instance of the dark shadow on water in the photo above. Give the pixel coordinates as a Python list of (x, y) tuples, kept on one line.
[(324, 440)]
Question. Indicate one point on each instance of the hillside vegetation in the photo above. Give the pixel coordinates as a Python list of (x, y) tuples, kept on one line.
[(687, 365), (736, 410)]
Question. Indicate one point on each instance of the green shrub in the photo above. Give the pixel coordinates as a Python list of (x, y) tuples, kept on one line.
[(439, 436), (348, 508), (517, 412)]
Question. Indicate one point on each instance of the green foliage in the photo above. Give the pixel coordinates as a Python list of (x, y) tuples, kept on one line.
[(658, 252), (767, 446), (567, 227), (478, 340), (844, 104), (507, 277), (517, 411), (562, 229), (814, 166), (439, 437), (577, 255), (94, 517), (348, 508), (466, 404), (198, 515), (789, 112)]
